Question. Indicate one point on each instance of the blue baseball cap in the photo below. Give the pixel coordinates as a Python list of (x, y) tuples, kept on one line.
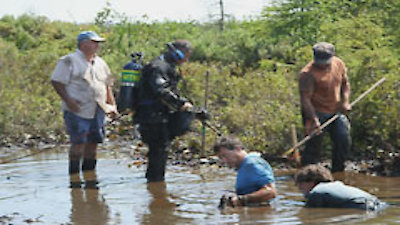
[(89, 35)]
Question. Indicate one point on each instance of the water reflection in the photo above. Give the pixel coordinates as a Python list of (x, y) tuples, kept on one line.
[(87, 205), (161, 210), (39, 191), (327, 215), (259, 215)]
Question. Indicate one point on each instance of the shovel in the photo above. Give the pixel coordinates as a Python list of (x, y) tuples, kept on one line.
[(294, 150)]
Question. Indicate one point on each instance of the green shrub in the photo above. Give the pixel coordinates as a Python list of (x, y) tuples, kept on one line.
[(253, 90)]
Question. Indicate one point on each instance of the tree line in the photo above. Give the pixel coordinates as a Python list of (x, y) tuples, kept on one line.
[(253, 66)]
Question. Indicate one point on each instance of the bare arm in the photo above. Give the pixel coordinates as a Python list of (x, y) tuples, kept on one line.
[(110, 96), (72, 104), (264, 194), (111, 100), (345, 91), (306, 86)]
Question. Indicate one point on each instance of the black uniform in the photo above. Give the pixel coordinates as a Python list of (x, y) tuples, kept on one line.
[(158, 112)]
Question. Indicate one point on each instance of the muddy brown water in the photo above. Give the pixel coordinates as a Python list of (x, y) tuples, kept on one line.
[(35, 190)]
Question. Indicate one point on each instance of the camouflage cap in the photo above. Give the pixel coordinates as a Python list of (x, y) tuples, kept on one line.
[(323, 53)]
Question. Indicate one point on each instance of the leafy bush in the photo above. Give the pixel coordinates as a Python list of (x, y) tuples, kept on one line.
[(253, 67)]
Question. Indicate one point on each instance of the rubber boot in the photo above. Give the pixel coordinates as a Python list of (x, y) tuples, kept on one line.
[(73, 166), (75, 181), (89, 164), (157, 158), (90, 178)]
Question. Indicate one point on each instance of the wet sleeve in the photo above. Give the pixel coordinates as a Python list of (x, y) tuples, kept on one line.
[(162, 89), (262, 174), (315, 200), (266, 176), (62, 71)]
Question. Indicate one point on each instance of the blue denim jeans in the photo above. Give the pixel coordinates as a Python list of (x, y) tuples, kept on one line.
[(339, 131), (83, 130)]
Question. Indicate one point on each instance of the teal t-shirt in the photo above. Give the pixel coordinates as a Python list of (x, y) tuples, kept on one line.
[(253, 174)]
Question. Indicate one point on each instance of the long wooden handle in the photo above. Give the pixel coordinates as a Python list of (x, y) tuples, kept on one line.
[(333, 118)]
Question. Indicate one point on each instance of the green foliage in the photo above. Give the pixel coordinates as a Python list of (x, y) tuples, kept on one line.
[(253, 66)]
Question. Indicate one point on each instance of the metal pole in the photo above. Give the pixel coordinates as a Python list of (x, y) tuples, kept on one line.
[(212, 128), (203, 133), (294, 134)]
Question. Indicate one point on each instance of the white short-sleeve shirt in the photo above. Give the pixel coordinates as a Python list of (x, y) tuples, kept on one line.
[(84, 81)]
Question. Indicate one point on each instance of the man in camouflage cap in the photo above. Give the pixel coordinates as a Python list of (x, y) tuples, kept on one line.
[(324, 92)]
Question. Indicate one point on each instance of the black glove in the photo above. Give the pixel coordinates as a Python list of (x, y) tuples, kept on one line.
[(223, 202), (202, 115)]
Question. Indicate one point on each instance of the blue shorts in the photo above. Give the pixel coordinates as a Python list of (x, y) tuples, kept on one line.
[(83, 130)]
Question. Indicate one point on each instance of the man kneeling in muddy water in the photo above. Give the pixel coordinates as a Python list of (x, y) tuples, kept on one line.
[(320, 189), (255, 182)]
